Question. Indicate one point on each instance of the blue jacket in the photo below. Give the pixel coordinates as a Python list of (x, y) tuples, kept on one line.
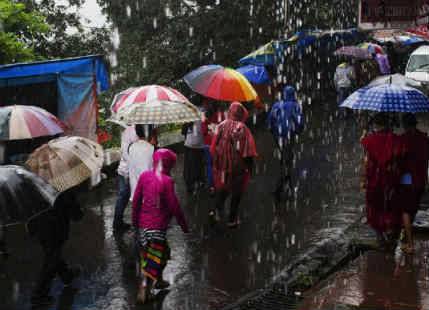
[(285, 118)]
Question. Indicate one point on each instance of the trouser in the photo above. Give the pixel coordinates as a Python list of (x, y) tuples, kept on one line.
[(53, 265), (193, 167), (2, 238), (124, 193), (221, 197), (286, 164), (343, 93), (209, 163)]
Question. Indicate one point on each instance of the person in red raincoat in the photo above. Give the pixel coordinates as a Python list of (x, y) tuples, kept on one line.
[(414, 167), (233, 149), (382, 152)]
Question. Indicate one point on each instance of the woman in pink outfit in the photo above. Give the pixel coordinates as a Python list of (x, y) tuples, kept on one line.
[(154, 204)]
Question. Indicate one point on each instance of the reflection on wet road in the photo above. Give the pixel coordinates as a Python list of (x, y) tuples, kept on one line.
[(212, 266)]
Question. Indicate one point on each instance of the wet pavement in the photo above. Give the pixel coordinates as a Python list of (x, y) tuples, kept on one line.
[(377, 280), (212, 266)]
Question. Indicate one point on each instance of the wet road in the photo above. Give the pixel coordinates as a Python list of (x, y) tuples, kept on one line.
[(377, 280), (212, 266)]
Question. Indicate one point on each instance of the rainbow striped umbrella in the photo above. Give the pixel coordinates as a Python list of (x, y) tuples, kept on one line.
[(19, 122), (220, 83)]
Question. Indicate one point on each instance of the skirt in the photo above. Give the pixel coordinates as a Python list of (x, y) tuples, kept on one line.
[(153, 253)]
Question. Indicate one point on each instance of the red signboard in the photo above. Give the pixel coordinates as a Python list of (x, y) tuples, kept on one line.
[(376, 14)]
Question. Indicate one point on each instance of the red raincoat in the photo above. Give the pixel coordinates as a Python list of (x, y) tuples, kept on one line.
[(383, 150), (231, 145)]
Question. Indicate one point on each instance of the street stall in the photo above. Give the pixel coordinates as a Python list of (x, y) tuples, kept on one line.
[(67, 88)]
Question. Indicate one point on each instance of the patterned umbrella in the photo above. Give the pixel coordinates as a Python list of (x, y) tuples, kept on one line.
[(154, 104), (388, 98), (26, 122), (220, 83), (354, 52), (67, 161), (23, 195), (120, 98)]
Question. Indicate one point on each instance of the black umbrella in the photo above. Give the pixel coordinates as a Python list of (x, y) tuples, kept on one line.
[(23, 195)]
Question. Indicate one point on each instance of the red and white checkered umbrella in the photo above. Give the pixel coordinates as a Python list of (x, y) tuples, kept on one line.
[(144, 94)]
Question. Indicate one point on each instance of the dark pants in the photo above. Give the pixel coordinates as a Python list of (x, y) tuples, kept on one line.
[(221, 197), (124, 193), (53, 265), (286, 163), (193, 167)]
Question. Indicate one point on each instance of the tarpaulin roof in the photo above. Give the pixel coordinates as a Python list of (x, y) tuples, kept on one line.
[(45, 71)]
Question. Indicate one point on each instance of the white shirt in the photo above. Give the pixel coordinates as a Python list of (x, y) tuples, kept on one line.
[(343, 76), (139, 161), (128, 136)]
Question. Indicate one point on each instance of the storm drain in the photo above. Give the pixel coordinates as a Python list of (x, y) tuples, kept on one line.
[(273, 299)]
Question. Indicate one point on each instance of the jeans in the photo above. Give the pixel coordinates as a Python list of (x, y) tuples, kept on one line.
[(209, 168), (343, 93), (124, 193)]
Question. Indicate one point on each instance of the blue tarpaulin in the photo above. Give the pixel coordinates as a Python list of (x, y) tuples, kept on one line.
[(74, 77)]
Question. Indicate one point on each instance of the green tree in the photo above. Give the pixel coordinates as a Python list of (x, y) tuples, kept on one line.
[(19, 29)]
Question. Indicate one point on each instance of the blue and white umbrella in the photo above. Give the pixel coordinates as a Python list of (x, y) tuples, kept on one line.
[(388, 98)]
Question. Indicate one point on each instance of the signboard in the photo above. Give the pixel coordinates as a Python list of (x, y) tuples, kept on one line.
[(386, 14)]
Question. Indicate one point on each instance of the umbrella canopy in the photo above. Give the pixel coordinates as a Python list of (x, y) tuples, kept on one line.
[(396, 79), (23, 194), (354, 52), (255, 74), (372, 48), (262, 56), (145, 94), (119, 98), (67, 161), (159, 112), (220, 83), (388, 98), (19, 122)]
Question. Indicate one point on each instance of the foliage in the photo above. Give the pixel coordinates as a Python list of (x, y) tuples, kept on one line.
[(19, 29)]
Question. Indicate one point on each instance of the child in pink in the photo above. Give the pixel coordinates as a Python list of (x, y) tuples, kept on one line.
[(154, 204)]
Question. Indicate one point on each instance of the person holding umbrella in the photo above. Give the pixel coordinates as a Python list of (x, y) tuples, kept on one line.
[(285, 122), (52, 231), (233, 149), (381, 177), (414, 167), (344, 79)]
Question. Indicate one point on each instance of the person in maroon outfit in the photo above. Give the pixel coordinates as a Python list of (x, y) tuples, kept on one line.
[(414, 168), (382, 151)]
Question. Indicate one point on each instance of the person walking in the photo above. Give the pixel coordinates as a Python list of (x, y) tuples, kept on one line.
[(52, 230), (285, 122), (233, 150), (140, 154), (193, 166), (381, 177), (154, 204), (343, 79), (128, 136), (212, 117), (414, 167)]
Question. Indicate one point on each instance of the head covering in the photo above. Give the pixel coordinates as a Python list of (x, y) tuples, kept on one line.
[(237, 112), (289, 93), (165, 160)]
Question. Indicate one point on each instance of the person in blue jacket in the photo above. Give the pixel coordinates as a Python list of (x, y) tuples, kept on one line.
[(285, 122)]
